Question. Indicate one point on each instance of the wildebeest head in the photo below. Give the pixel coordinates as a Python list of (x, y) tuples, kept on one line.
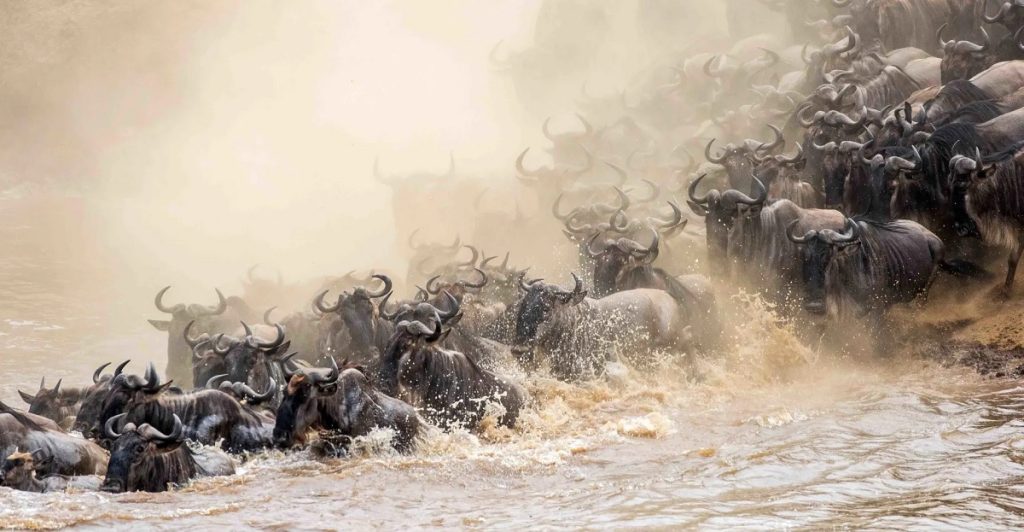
[(540, 302), (613, 257), (92, 402), (458, 288), (298, 409), (248, 359), (964, 171), (125, 390), (182, 314), (551, 177), (358, 314), (818, 248), (824, 127), (424, 312), (739, 160), (904, 176), (837, 161), (19, 468), (178, 352), (963, 59), (50, 403), (134, 449), (720, 210), (1010, 14)]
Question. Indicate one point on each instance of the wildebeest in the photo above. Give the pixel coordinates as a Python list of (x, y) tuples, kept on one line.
[(449, 386), (209, 415), (92, 401), (70, 455), (866, 268), (19, 472), (179, 354), (920, 173), (60, 405), (748, 236), (366, 332), (579, 334), (143, 458), (343, 402), (252, 361), (739, 160), (994, 193)]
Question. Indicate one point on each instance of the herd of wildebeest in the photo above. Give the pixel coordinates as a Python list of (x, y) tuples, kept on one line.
[(907, 121)]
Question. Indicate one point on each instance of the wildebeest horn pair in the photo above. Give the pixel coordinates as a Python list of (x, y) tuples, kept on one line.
[(146, 430), (848, 235), (197, 311)]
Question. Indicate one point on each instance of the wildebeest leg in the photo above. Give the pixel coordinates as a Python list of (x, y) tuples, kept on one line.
[(1011, 266)]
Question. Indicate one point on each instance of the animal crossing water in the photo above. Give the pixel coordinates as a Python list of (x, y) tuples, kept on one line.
[(773, 434)]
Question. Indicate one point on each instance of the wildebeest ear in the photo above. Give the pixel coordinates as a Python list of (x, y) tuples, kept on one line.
[(26, 397), (160, 325), (697, 208), (579, 298), (162, 388)]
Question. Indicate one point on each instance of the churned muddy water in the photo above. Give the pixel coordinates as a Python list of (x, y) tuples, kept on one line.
[(772, 435), (178, 143)]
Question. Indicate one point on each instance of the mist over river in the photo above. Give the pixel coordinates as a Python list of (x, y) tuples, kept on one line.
[(147, 144)]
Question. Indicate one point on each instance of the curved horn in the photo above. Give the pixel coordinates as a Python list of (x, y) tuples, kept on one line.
[(318, 302), (222, 305), (431, 288), (108, 427), (677, 218), (120, 367), (453, 307), (522, 169), (999, 16), (176, 434), (386, 289), (779, 140), (795, 158), (799, 239), (590, 247), (152, 379), (481, 284), (555, 208), (188, 337), (963, 164), (762, 193), (692, 191), (251, 396), (938, 34), (848, 235), (383, 305), (275, 343), (96, 374), (217, 348), (266, 316), (523, 284), (214, 382), (707, 154), (160, 305)]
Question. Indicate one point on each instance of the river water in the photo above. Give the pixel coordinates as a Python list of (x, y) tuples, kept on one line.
[(772, 435)]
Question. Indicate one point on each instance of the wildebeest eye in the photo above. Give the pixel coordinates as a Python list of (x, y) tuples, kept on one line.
[(139, 448)]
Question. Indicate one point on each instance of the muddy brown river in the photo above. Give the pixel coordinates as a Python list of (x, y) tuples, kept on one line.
[(772, 435)]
